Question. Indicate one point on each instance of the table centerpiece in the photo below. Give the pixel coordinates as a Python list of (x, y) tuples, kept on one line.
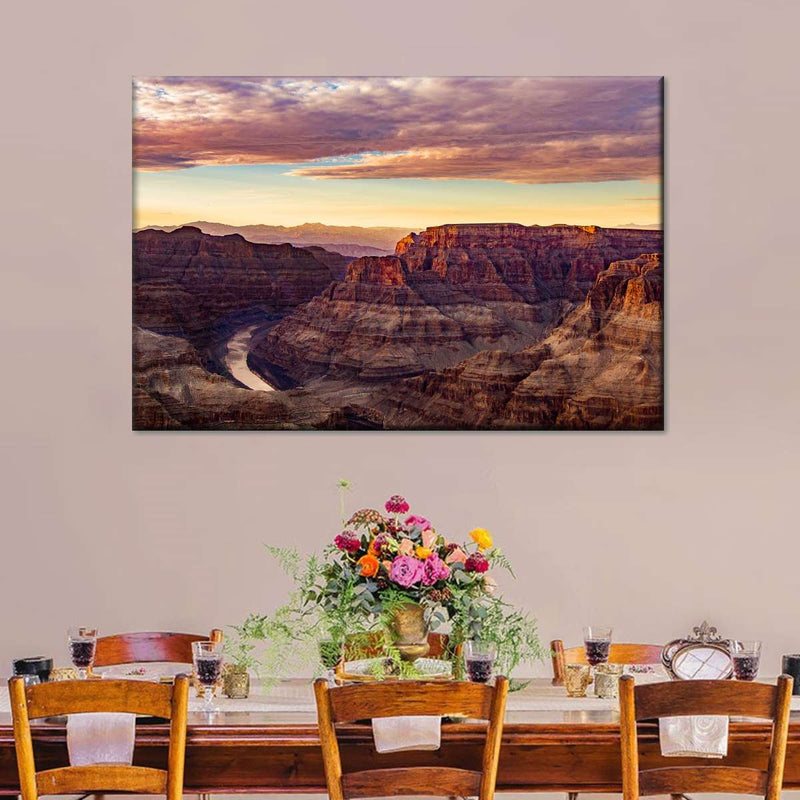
[(383, 583)]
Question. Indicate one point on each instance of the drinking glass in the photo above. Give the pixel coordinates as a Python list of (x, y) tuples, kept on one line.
[(597, 641), (479, 657), (746, 656), (576, 678), (82, 644), (207, 658)]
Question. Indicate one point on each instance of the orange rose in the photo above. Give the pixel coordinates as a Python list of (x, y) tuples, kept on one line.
[(369, 565), (423, 552)]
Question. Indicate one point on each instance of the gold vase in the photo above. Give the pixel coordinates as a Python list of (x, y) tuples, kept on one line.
[(236, 683), (409, 631)]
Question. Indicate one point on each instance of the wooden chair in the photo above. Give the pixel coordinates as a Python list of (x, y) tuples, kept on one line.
[(150, 647), (135, 648), (408, 698), (685, 698), (622, 653), (77, 697)]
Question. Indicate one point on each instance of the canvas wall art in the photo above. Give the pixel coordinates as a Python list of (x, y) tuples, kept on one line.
[(397, 253)]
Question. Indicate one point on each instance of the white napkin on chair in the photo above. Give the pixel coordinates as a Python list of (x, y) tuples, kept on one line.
[(100, 738), (394, 734), (702, 736)]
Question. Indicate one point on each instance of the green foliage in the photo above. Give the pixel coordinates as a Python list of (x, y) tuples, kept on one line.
[(288, 559), (240, 648), (514, 633), (499, 559)]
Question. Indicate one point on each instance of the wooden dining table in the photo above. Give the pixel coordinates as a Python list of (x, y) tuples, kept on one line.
[(271, 744)]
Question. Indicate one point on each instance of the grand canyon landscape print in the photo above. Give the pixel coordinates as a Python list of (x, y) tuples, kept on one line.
[(397, 253)]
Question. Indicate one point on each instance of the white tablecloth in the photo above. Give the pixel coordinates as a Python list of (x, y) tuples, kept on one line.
[(297, 696)]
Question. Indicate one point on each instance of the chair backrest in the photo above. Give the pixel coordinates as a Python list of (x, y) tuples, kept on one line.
[(134, 648), (687, 698), (621, 653), (80, 697), (409, 698)]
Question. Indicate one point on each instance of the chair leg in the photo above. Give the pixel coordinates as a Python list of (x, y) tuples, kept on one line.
[(572, 795)]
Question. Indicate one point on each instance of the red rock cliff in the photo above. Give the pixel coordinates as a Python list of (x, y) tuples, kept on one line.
[(186, 279), (548, 261), (383, 270)]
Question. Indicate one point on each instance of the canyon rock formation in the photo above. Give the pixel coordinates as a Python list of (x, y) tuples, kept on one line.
[(472, 326), (600, 369), (448, 293), (172, 388), (184, 281)]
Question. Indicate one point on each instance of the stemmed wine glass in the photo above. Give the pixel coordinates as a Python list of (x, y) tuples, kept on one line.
[(82, 644), (207, 658), (597, 641)]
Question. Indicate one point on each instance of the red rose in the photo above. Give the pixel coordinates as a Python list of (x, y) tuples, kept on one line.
[(477, 562)]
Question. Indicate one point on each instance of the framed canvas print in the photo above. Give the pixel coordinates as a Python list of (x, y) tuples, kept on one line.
[(397, 253)]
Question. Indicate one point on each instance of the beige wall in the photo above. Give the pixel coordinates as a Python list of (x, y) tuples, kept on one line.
[(652, 532)]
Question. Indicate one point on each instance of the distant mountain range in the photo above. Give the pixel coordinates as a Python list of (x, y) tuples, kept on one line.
[(347, 240)]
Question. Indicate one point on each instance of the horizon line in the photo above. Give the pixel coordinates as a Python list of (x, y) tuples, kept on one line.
[(194, 223)]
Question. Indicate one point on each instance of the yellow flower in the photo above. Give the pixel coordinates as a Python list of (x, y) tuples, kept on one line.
[(482, 538), (423, 552)]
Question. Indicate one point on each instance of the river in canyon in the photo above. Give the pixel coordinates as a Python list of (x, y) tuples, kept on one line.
[(237, 348)]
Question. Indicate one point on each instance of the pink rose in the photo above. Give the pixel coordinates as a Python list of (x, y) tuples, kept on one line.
[(406, 571), (489, 584), (406, 547), (434, 569), (457, 556), (415, 521), (429, 538)]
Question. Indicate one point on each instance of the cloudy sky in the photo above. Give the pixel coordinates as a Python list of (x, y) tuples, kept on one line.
[(406, 152)]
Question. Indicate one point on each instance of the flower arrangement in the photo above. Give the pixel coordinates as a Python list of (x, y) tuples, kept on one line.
[(381, 561), (398, 556)]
